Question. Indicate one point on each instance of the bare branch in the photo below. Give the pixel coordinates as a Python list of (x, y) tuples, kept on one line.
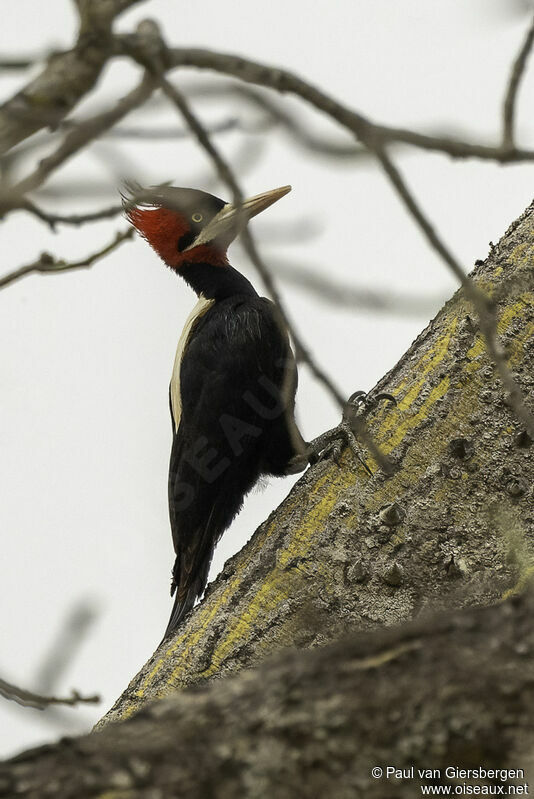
[(29, 699), (455, 148), (20, 63), (346, 295), (90, 129), (66, 78), (79, 138), (54, 664), (124, 132), (47, 264), (284, 81), (99, 14), (518, 70), (69, 219), (87, 187), (17, 64), (280, 80)]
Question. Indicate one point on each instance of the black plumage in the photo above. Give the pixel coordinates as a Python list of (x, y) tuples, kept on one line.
[(235, 424)]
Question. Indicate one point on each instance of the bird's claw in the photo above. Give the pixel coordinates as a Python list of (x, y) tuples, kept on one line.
[(332, 443), (328, 444), (361, 402)]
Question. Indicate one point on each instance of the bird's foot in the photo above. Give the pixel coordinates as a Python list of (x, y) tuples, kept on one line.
[(333, 442)]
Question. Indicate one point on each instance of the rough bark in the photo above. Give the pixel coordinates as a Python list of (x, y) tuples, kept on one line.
[(453, 526), (454, 691)]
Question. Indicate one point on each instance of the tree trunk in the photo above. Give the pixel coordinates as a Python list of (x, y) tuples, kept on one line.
[(453, 526), (455, 691)]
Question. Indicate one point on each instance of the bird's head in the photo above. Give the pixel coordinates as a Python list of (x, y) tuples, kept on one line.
[(188, 226)]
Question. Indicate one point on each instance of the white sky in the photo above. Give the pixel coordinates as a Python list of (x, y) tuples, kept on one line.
[(85, 358)]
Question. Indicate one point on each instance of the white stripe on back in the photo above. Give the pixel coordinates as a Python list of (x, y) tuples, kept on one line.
[(199, 310)]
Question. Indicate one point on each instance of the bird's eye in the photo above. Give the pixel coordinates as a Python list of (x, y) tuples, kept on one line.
[(197, 217)]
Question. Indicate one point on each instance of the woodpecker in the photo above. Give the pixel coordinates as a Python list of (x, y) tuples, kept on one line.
[(233, 384)]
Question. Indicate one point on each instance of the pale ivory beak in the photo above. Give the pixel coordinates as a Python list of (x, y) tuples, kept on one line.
[(225, 225)]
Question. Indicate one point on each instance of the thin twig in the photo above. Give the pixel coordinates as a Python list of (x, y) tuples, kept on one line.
[(47, 264), (30, 699), (518, 70), (481, 303), (426, 226)]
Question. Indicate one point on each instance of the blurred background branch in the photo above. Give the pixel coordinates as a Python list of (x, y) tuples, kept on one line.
[(72, 634), (48, 264), (30, 699)]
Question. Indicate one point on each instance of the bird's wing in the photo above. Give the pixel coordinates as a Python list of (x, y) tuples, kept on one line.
[(234, 364)]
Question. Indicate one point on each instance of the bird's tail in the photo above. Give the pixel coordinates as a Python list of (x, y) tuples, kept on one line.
[(182, 606), (193, 560), (188, 586)]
